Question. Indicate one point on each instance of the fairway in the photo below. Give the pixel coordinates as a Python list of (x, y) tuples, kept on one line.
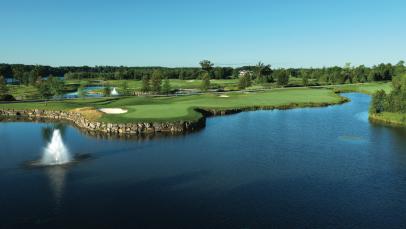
[(183, 107)]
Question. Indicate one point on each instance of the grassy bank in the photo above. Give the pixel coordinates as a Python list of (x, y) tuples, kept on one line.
[(365, 88), (394, 119), (183, 108)]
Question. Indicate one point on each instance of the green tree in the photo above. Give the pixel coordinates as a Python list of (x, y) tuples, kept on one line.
[(263, 73), (18, 73), (182, 75), (56, 85), (45, 90), (282, 77), (378, 102), (305, 79), (166, 88), (50, 87), (219, 73), (156, 81), (360, 74), (146, 85), (3, 87), (244, 81), (396, 100), (400, 68), (206, 65), (36, 74), (205, 82), (107, 91), (125, 88)]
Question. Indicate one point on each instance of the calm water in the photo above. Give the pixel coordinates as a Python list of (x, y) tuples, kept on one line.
[(303, 168)]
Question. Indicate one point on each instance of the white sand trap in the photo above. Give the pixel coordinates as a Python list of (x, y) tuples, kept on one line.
[(224, 96), (113, 110)]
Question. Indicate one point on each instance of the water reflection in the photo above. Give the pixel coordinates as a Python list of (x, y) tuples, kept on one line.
[(57, 176), (363, 116)]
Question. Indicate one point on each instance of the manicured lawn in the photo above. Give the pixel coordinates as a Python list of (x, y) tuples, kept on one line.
[(182, 107)]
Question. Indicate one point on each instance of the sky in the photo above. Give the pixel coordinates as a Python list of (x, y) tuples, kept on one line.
[(172, 33)]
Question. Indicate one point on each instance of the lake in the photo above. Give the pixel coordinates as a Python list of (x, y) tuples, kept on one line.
[(301, 168)]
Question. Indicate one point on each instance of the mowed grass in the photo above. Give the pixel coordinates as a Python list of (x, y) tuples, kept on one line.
[(23, 92), (183, 107), (366, 88), (391, 118)]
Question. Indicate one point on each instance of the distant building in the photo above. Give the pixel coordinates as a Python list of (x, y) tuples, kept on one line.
[(244, 72)]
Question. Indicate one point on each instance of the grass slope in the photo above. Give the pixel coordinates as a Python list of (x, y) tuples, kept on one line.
[(396, 119)]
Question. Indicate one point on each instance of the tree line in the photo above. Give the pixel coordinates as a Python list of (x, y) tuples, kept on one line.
[(156, 79), (260, 73)]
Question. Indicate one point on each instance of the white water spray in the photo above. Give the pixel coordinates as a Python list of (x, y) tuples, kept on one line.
[(56, 153), (114, 92)]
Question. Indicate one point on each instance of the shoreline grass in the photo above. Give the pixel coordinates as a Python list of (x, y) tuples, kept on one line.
[(389, 118), (365, 88)]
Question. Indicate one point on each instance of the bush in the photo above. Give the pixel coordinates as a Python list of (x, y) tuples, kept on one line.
[(7, 97)]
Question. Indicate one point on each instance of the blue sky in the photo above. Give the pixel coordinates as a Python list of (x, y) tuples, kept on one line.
[(284, 33)]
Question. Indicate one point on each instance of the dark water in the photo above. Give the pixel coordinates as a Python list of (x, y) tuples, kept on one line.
[(303, 168)]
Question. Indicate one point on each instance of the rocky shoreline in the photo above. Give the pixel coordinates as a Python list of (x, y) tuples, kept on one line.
[(108, 128), (142, 128)]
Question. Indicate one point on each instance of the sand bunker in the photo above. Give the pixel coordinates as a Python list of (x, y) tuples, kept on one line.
[(113, 110), (224, 96)]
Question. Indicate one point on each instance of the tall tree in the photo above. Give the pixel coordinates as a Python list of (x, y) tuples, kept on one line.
[(156, 80), (206, 65), (305, 79), (400, 68), (146, 85), (166, 88), (45, 90), (263, 72), (3, 86), (378, 102), (244, 81), (125, 88), (56, 85), (182, 75), (282, 77), (205, 82)]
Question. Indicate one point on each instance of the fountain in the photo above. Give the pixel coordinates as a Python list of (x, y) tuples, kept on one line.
[(114, 92), (55, 153)]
